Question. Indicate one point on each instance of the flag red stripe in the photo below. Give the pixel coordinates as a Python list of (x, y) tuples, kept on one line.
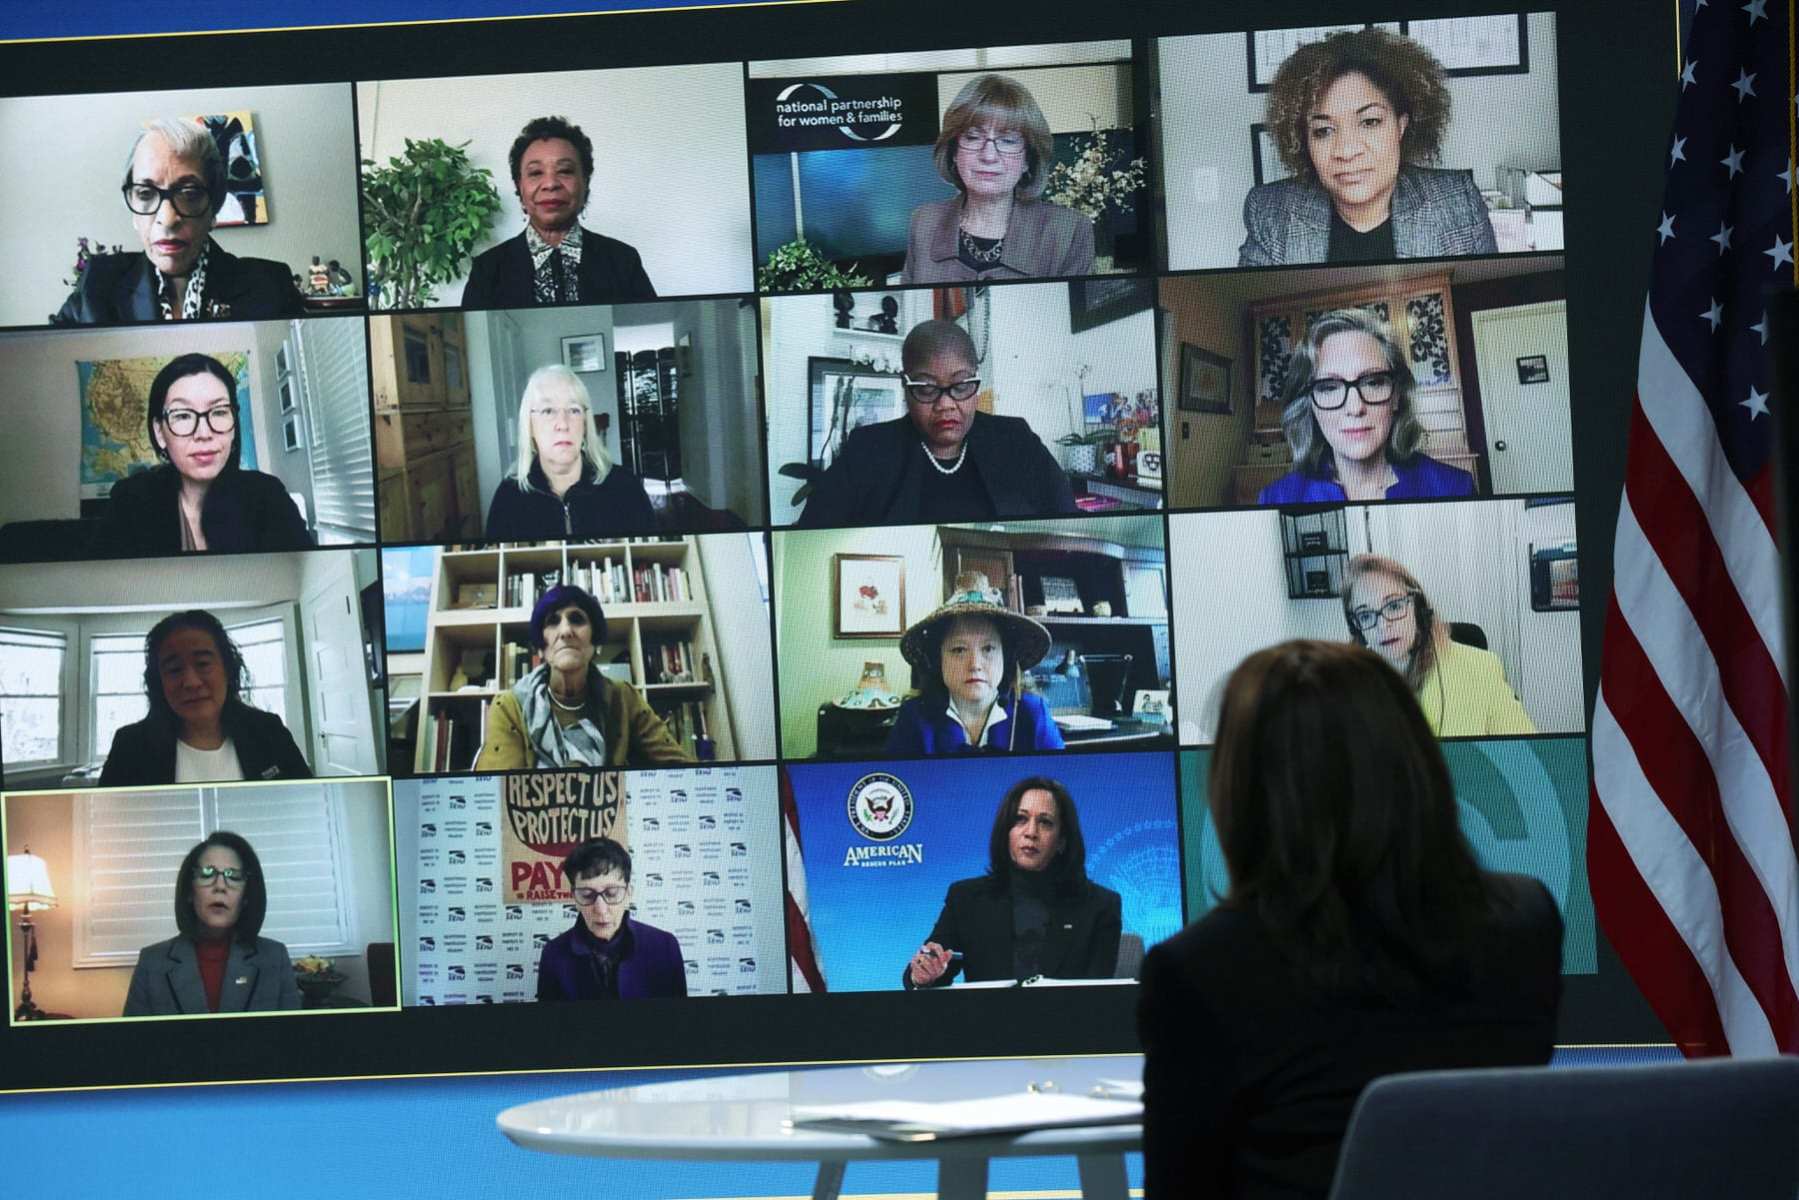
[(799, 928)]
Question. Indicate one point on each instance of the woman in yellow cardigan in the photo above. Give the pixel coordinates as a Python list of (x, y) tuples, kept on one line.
[(565, 713), (1462, 689)]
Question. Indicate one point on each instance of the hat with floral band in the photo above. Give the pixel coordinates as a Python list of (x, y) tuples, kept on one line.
[(973, 596)]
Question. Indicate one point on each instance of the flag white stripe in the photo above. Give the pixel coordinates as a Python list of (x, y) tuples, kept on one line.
[(796, 892), (1680, 418), (1678, 879)]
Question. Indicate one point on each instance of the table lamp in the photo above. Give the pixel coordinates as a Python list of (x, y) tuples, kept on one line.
[(28, 890)]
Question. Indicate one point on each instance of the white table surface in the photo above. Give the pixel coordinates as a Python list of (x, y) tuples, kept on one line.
[(748, 1117)]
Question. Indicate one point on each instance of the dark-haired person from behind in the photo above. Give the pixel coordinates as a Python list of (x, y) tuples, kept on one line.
[(200, 498), (944, 460), (608, 954), (199, 729), (555, 260), (1034, 912), (218, 962), (1359, 936)]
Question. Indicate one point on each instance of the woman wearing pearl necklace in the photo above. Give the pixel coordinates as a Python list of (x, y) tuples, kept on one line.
[(944, 460)]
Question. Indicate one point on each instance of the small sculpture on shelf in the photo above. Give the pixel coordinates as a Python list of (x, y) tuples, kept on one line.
[(871, 690), (326, 281)]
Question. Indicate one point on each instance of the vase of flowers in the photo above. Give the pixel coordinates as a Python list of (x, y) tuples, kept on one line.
[(1098, 182), (317, 979)]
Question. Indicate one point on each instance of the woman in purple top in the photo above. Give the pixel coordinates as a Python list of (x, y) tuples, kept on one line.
[(607, 955), (1350, 422)]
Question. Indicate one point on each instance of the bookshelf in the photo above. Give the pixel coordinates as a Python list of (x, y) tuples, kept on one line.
[(478, 627)]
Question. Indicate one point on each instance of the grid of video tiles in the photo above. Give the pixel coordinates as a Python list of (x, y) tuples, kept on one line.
[(774, 525)]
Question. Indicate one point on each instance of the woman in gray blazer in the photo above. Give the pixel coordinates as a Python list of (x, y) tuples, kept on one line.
[(1356, 116), (217, 963), (995, 147)]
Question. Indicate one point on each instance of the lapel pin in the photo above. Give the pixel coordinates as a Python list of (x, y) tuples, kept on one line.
[(242, 979)]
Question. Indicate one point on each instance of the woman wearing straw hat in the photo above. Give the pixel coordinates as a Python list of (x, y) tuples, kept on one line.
[(968, 660)]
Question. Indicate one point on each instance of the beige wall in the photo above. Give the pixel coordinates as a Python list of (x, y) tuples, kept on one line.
[(1200, 462)]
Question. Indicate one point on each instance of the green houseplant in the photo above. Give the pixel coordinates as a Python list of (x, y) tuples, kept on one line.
[(798, 267), (424, 212)]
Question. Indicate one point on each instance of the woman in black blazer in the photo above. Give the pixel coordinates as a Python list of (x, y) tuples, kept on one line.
[(555, 260), (199, 730), (1359, 936), (1034, 912)]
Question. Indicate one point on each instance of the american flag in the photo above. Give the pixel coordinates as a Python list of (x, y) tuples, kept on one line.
[(1691, 849), (803, 972)]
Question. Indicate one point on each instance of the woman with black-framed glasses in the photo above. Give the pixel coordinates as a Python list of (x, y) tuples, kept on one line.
[(608, 954), (200, 498), (174, 185), (218, 962), (945, 460), (1350, 422)]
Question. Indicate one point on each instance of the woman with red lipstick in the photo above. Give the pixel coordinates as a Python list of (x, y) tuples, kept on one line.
[(555, 260), (944, 460), (174, 184), (199, 729), (218, 963), (199, 499), (1034, 912), (1350, 423), (565, 485), (994, 147), (1462, 689), (1357, 116)]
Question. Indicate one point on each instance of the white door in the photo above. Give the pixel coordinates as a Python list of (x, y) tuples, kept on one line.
[(342, 726), (1521, 354)]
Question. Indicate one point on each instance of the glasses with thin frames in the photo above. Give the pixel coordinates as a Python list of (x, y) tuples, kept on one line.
[(1391, 611), (975, 141), (233, 876), (925, 391), (145, 199), (613, 896), (570, 412), (1375, 388), (182, 422)]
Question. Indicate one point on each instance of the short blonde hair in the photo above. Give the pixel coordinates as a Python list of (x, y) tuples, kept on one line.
[(1003, 104), (556, 382)]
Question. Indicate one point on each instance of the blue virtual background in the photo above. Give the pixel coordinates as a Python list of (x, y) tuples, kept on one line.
[(869, 919)]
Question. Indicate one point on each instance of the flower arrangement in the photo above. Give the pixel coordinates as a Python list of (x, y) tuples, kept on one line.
[(798, 267), (313, 972), (84, 254), (1098, 181)]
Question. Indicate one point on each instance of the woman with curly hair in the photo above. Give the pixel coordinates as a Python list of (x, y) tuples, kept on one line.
[(1357, 116)]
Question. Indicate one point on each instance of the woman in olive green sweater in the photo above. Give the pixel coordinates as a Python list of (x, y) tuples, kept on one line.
[(565, 713)]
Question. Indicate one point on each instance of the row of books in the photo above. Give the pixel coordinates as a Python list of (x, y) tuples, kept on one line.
[(656, 540), (605, 580), (674, 660), (686, 720), (453, 732)]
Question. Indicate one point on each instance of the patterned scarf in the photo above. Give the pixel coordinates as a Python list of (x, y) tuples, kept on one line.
[(545, 259), (196, 288), (580, 745)]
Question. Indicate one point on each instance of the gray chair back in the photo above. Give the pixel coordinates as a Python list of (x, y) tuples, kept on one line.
[(1723, 1127), (1130, 956)]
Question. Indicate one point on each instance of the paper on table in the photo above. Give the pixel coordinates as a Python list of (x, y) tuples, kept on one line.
[(1122, 1088), (920, 1120)]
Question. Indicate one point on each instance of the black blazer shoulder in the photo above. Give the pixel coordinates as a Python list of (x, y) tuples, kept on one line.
[(1084, 932), (879, 475), (143, 753), (245, 510), (611, 272), (122, 287)]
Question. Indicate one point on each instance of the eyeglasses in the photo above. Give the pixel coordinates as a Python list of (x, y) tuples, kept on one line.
[(613, 896), (1376, 387), (573, 412), (1391, 611), (233, 876), (182, 422), (1009, 144), (923, 391), (145, 199)]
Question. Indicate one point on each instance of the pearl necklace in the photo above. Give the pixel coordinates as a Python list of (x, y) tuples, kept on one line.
[(941, 469), (581, 707)]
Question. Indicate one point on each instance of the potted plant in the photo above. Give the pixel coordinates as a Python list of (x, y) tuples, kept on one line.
[(1082, 456), (423, 212), (317, 978), (798, 267)]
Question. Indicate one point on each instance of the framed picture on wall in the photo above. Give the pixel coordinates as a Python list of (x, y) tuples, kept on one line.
[(1205, 380), (584, 352), (290, 431), (1475, 45), (868, 595), (1096, 302), (1266, 153), (843, 397), (1269, 48)]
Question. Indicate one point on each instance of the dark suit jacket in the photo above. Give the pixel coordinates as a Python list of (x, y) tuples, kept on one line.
[(1249, 1077), (1043, 240), (245, 510), (880, 475), (122, 287), (977, 920), (143, 753), (166, 980), (1436, 214), (611, 273), (652, 966), (614, 506)]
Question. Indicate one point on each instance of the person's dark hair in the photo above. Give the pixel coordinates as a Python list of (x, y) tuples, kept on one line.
[(180, 368), (596, 856), (250, 910), (560, 597), (237, 676), (539, 128), (1067, 872), (1406, 73), (1311, 452), (927, 677), (928, 339), (1337, 818)]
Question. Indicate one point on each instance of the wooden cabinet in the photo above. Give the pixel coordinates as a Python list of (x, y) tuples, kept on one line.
[(424, 441)]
